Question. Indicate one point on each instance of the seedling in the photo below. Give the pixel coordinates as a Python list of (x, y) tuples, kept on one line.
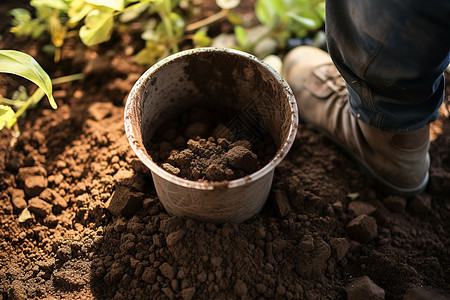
[(22, 64)]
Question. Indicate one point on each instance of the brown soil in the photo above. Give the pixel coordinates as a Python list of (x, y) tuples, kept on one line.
[(196, 145), (98, 231)]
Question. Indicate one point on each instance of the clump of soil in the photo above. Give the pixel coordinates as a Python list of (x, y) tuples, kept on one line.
[(200, 147)]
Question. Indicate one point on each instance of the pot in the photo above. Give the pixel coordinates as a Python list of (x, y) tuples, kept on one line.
[(219, 78)]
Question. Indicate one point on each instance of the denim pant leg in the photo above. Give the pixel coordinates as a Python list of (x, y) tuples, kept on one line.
[(392, 55)]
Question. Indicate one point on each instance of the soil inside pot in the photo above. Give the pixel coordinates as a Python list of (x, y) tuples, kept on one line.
[(211, 145)]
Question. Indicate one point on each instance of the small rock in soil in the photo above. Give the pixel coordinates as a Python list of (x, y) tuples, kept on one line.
[(34, 185), (18, 199), (363, 288), (174, 237), (358, 208), (39, 207), (241, 158), (188, 293), (281, 203), (395, 203), (167, 270), (122, 175), (171, 169), (125, 202), (25, 172), (362, 228), (50, 196), (340, 247), (312, 264)]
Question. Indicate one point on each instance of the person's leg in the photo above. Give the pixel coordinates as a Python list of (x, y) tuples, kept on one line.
[(392, 54), (393, 92)]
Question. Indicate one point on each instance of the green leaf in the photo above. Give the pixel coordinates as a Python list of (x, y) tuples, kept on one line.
[(55, 4), (353, 196), (269, 12), (132, 12), (307, 22), (78, 10), (234, 19), (6, 115), (98, 26), (201, 39), (320, 10), (22, 64), (113, 4), (150, 54), (24, 215), (178, 24), (241, 36)]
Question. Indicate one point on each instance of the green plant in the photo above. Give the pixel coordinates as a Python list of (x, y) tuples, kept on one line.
[(22, 64), (162, 30), (281, 19)]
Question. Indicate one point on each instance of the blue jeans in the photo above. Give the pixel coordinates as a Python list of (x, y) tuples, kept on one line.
[(392, 55)]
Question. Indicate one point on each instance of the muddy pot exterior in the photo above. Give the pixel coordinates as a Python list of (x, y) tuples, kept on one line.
[(216, 78)]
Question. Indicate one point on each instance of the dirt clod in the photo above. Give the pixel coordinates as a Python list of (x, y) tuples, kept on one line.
[(362, 228), (358, 208), (39, 207), (364, 288), (125, 202), (240, 157)]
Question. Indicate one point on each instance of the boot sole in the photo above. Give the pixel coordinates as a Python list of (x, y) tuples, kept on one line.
[(382, 185)]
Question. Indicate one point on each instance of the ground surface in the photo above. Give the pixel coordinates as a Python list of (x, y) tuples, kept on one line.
[(299, 247)]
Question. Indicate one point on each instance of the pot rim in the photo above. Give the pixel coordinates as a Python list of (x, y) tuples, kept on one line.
[(132, 109)]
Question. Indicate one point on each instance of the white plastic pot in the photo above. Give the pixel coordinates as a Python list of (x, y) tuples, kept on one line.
[(211, 77)]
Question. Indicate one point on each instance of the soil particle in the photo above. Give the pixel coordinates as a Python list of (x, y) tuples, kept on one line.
[(18, 199), (240, 157), (340, 247), (362, 228), (167, 270), (34, 185), (188, 293), (125, 202), (174, 237), (364, 288), (39, 207), (395, 203), (51, 196), (358, 208), (171, 169), (312, 264)]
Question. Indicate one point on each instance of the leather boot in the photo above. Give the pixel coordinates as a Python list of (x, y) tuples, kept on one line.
[(397, 163)]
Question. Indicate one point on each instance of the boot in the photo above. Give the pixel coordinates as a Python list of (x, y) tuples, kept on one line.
[(397, 163)]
